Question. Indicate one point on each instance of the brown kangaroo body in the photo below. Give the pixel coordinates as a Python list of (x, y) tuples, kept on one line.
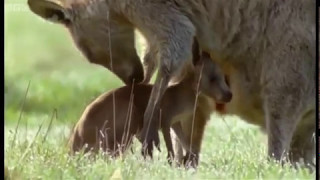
[(100, 122), (269, 47)]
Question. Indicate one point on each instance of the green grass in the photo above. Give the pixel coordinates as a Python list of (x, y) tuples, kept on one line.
[(60, 78)]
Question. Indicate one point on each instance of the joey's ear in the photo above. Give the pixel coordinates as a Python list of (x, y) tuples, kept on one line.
[(51, 10), (195, 52), (203, 60)]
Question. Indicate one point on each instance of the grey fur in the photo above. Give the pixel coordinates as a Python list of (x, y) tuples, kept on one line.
[(267, 48)]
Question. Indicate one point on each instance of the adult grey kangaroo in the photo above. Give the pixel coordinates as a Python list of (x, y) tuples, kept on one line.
[(267, 48)]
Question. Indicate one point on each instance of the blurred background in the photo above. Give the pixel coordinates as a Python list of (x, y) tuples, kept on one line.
[(60, 77)]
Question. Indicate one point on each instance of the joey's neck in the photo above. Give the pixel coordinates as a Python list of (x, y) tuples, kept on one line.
[(189, 84)]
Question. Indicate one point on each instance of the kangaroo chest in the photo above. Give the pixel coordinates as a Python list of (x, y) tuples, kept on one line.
[(246, 101)]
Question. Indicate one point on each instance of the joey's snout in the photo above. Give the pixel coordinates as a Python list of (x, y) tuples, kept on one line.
[(226, 97), (223, 91), (223, 96)]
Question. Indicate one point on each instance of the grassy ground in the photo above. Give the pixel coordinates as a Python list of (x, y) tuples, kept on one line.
[(60, 78)]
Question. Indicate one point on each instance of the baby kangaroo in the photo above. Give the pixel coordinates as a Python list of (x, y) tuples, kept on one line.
[(111, 121)]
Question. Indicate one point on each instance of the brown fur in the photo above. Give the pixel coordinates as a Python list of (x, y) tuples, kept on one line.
[(192, 130), (97, 119), (268, 46)]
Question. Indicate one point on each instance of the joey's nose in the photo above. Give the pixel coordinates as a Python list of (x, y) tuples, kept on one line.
[(227, 97), (223, 97)]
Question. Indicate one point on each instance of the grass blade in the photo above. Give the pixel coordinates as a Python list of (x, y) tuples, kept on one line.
[(20, 116)]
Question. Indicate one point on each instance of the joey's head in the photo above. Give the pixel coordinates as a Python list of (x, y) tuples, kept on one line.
[(102, 35), (213, 82)]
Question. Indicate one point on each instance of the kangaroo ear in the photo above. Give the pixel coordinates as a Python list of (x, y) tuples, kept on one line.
[(51, 10), (195, 52), (203, 60)]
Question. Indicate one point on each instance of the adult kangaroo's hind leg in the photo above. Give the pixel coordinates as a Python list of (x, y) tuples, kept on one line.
[(288, 90), (303, 143)]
